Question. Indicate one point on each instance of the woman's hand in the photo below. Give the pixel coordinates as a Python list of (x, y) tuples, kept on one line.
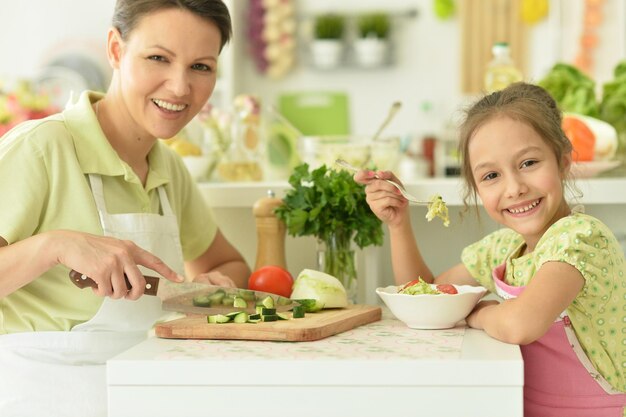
[(384, 199), (108, 261), (215, 278)]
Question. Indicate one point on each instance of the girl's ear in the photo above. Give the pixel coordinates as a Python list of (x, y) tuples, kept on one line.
[(114, 47), (566, 165)]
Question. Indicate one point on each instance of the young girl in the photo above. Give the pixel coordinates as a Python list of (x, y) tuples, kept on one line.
[(561, 273)]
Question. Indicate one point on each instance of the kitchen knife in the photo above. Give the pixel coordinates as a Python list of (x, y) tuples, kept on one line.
[(197, 298)]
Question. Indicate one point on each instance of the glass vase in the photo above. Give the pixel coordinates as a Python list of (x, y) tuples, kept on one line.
[(336, 256)]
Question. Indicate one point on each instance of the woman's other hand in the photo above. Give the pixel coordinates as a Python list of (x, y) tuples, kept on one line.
[(108, 261), (384, 199), (215, 278)]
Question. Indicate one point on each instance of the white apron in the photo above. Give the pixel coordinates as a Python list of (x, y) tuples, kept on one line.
[(63, 373)]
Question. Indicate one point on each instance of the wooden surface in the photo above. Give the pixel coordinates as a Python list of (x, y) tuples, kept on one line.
[(313, 326)]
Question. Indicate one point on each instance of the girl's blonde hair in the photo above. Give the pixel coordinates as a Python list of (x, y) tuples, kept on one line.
[(526, 103)]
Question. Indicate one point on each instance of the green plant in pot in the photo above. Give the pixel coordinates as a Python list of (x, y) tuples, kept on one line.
[(327, 45), (328, 205), (372, 43)]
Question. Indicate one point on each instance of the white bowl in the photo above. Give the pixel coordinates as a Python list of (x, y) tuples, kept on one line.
[(359, 151), (431, 311)]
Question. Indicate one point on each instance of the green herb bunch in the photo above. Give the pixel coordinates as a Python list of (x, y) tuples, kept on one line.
[(325, 201)]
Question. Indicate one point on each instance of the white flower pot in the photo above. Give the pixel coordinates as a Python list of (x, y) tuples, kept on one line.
[(327, 53), (370, 52)]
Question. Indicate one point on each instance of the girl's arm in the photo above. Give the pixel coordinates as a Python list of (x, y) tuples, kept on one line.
[(220, 264), (528, 317)]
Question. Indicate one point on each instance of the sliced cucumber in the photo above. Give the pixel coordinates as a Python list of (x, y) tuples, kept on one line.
[(254, 317), (201, 301), (282, 316), (271, 317), (228, 300), (247, 295), (283, 301), (267, 311), (239, 302), (217, 296), (242, 317), (310, 305), (221, 318), (298, 312), (267, 302)]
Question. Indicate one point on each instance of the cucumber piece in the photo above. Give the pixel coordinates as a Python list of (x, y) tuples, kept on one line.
[(253, 320), (241, 317), (247, 295), (232, 314), (298, 312), (259, 310), (217, 296), (310, 305), (220, 318), (211, 319), (267, 311), (201, 301), (239, 302), (283, 301), (254, 317), (282, 316), (228, 300), (267, 302), (271, 317)]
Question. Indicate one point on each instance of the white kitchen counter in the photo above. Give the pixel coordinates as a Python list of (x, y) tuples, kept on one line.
[(380, 369), (244, 194)]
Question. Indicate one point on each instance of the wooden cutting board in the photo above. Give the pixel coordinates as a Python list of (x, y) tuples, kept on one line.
[(313, 326)]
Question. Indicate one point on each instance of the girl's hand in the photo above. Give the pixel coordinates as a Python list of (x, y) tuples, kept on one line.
[(473, 320), (215, 278), (108, 261), (384, 199)]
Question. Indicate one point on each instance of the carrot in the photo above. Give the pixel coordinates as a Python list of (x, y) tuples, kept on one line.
[(582, 138)]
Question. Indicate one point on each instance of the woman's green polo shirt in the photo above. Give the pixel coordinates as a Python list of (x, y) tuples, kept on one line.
[(44, 186)]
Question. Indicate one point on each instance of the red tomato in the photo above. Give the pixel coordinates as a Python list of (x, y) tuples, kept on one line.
[(271, 278), (447, 289), (410, 284)]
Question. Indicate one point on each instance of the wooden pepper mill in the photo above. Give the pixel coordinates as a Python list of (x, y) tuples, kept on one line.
[(270, 233)]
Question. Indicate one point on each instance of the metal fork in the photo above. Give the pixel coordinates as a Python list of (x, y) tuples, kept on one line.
[(405, 194)]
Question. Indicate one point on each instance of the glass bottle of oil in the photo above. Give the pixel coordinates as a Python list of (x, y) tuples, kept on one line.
[(501, 71)]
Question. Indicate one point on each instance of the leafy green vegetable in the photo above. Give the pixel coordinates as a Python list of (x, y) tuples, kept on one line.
[(613, 105), (325, 289), (323, 201), (573, 91)]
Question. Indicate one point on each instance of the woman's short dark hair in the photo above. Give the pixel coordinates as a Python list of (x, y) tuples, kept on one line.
[(128, 13)]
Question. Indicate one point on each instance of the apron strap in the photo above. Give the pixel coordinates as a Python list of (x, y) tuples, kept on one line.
[(165, 202)]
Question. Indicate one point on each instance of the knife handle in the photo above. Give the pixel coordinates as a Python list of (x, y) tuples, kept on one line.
[(83, 281)]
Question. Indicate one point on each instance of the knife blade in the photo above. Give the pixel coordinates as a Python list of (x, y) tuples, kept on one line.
[(197, 298)]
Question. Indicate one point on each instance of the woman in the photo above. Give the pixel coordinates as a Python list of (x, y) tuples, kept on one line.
[(94, 190)]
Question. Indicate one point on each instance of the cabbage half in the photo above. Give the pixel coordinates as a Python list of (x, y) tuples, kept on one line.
[(316, 285)]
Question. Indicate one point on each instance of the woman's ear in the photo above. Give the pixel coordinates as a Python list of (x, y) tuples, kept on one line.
[(114, 47)]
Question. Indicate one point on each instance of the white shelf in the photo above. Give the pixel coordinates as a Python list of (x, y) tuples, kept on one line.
[(605, 191)]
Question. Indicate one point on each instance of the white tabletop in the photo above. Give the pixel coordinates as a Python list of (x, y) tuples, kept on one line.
[(380, 369)]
